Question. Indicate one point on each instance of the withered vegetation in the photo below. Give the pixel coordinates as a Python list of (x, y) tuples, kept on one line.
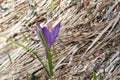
[(89, 39)]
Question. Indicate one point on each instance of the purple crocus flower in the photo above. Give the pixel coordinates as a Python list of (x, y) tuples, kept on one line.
[(50, 33)]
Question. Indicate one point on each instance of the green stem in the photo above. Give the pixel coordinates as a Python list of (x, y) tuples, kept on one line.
[(48, 54)]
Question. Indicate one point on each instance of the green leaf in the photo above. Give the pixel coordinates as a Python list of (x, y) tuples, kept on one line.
[(10, 59), (30, 50), (48, 53)]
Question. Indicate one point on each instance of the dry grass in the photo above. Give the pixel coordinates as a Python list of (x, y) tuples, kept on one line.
[(89, 39)]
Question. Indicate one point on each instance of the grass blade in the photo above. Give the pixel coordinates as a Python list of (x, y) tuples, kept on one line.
[(94, 76), (52, 5), (78, 77), (30, 50), (25, 37), (27, 77), (55, 50), (101, 77), (10, 59)]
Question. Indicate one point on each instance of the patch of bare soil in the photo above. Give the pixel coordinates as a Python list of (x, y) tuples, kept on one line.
[(89, 39)]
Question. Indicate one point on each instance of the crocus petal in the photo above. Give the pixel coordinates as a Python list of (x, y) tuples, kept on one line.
[(47, 35), (37, 33), (54, 32)]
